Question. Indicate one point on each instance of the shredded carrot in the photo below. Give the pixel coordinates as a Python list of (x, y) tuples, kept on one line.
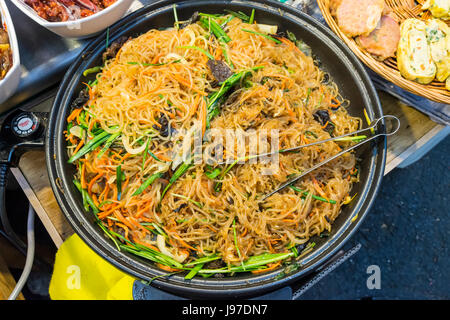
[(91, 183), (188, 84), (196, 103), (269, 268), (204, 116), (78, 146), (167, 268), (74, 114), (124, 227), (318, 188), (156, 58)]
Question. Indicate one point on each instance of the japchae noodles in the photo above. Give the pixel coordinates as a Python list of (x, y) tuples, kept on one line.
[(216, 72)]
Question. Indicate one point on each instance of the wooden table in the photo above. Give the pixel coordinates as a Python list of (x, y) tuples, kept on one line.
[(416, 135)]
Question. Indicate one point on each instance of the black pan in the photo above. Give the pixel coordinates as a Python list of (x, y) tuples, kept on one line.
[(334, 57)]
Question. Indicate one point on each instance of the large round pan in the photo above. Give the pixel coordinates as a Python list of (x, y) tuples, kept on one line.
[(335, 58)]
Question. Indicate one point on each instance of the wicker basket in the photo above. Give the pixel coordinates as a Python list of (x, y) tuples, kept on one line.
[(388, 68)]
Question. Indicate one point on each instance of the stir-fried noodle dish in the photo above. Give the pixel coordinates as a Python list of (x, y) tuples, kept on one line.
[(222, 73)]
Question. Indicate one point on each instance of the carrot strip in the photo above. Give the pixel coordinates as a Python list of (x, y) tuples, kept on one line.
[(74, 114), (318, 188), (167, 268), (271, 267), (91, 183), (78, 146), (188, 84)]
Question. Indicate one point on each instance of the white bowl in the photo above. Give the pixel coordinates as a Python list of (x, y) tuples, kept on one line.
[(84, 27), (10, 82)]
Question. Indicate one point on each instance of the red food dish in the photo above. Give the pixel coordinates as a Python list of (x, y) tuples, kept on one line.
[(65, 10)]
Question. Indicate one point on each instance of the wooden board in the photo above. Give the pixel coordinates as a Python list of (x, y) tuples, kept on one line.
[(7, 282), (416, 131)]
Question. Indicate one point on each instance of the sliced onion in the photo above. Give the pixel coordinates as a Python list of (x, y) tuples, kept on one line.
[(267, 29), (161, 243), (129, 148), (176, 57), (76, 131)]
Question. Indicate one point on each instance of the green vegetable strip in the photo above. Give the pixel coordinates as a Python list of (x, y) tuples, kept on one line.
[(212, 25), (178, 173), (144, 157), (153, 64), (239, 15), (252, 264), (194, 271), (108, 143), (92, 70), (313, 196), (206, 53), (226, 56), (87, 197), (119, 176), (175, 16), (91, 145), (236, 243), (262, 35), (147, 183), (107, 232), (213, 174), (252, 17), (198, 204), (203, 260)]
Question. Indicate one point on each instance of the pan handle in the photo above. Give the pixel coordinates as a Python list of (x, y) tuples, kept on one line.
[(21, 131)]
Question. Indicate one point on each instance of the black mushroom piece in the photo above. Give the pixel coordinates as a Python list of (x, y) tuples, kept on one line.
[(81, 100), (114, 47), (220, 70), (165, 129), (191, 20), (323, 117)]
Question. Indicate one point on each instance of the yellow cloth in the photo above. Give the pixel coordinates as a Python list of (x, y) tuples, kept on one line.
[(80, 274)]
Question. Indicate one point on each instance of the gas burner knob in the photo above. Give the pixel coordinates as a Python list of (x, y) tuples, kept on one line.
[(25, 125)]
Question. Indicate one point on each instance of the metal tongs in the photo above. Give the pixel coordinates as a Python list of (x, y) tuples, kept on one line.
[(374, 124)]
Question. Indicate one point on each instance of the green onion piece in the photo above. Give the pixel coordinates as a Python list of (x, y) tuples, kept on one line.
[(144, 157), (175, 16), (92, 70), (305, 193), (311, 133), (153, 64), (87, 197), (107, 232), (262, 35), (198, 204), (236, 243), (252, 17), (108, 144), (194, 271), (119, 176), (226, 56), (252, 263), (212, 25), (147, 183), (206, 53), (91, 145), (239, 15), (203, 260), (213, 174), (177, 174)]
